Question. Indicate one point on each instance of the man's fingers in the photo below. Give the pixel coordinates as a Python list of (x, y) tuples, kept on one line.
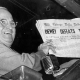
[(49, 42), (48, 47), (45, 47), (53, 49)]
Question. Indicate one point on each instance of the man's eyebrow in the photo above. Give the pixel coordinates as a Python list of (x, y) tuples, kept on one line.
[(3, 19)]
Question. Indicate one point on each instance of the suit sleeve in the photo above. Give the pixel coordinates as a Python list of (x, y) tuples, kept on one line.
[(38, 56)]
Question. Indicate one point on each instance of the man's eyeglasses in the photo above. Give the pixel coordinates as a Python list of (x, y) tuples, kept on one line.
[(4, 22)]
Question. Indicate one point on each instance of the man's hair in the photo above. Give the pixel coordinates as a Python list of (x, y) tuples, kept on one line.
[(3, 8)]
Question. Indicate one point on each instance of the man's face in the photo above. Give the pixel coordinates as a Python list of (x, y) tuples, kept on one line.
[(7, 28)]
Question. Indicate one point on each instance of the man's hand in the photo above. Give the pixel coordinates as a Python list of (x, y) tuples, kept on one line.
[(45, 47)]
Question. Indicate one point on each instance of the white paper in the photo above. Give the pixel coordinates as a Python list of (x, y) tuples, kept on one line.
[(65, 35)]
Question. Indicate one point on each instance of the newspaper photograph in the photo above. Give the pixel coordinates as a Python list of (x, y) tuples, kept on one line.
[(64, 33)]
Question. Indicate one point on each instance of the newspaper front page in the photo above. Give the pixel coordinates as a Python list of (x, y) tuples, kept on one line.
[(65, 35)]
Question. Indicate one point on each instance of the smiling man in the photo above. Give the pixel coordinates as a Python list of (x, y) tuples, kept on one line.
[(7, 27), (9, 59)]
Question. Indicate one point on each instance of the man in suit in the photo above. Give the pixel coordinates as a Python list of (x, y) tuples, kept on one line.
[(10, 59)]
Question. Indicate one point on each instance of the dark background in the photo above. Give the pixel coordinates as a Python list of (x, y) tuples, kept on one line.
[(26, 12)]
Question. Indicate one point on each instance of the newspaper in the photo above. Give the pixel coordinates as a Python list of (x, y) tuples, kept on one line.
[(65, 35)]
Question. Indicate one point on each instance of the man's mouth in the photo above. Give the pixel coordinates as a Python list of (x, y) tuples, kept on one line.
[(7, 33), (8, 36)]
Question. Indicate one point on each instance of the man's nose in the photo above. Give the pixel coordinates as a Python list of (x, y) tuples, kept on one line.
[(10, 29), (9, 26)]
